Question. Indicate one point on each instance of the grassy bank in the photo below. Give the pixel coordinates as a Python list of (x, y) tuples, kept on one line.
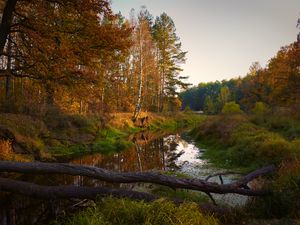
[(235, 141), (243, 142), (65, 136)]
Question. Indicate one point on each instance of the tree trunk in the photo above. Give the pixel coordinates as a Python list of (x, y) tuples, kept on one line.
[(138, 106), (8, 73), (237, 187), (91, 193), (67, 192), (6, 22), (49, 94)]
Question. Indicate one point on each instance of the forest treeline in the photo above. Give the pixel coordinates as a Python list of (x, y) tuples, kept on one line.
[(277, 86), (80, 57)]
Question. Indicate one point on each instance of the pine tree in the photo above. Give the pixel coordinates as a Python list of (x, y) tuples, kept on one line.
[(170, 57)]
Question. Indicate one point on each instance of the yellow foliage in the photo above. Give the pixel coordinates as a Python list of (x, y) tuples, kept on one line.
[(7, 153), (5, 149)]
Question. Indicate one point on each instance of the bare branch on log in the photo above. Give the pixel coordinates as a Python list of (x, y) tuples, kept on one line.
[(255, 174), (211, 198), (140, 177), (222, 174)]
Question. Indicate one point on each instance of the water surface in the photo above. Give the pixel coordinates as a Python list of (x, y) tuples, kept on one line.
[(175, 152)]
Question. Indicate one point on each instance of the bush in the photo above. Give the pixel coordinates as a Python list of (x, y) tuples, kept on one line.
[(256, 146), (285, 198), (231, 108), (260, 109), (219, 127), (242, 143)]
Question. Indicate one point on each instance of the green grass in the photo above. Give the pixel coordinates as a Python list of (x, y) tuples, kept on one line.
[(287, 127), (242, 144), (236, 142), (103, 146), (60, 135), (127, 212), (172, 122), (111, 139), (187, 195)]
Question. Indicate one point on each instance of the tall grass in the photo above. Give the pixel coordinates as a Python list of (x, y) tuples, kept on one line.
[(240, 143), (126, 212)]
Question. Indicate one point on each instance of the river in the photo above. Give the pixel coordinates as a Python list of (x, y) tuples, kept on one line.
[(174, 152)]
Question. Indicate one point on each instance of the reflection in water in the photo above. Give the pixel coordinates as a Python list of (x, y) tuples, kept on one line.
[(150, 152), (167, 153)]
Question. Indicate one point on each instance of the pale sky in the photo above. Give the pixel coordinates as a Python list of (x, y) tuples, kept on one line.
[(224, 37)]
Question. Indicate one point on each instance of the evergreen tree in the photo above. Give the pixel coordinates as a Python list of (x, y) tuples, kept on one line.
[(170, 56)]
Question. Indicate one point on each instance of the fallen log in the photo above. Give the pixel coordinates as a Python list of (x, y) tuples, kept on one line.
[(237, 187), (68, 192), (89, 193)]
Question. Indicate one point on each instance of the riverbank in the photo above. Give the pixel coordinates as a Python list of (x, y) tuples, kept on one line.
[(240, 141), (58, 136), (245, 142), (119, 128)]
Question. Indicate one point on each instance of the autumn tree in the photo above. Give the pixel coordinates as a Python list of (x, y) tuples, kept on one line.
[(64, 44), (284, 75)]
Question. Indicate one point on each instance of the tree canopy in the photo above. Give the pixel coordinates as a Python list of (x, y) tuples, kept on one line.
[(80, 57)]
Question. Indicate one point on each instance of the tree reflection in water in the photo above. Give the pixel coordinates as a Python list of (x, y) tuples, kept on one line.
[(150, 152)]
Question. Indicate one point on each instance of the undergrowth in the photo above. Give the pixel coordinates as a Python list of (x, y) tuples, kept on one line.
[(127, 212), (234, 141), (7, 153), (244, 143)]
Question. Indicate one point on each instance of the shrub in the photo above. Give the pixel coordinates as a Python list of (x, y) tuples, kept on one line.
[(242, 143), (260, 109), (252, 145), (187, 109), (219, 127), (231, 108), (284, 200)]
